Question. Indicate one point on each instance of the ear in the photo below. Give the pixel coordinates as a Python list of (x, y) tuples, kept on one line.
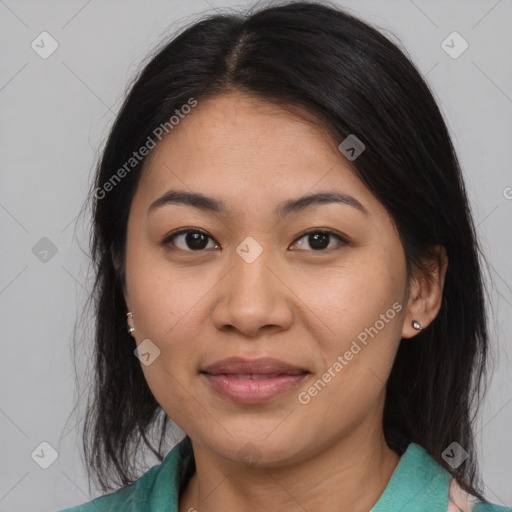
[(425, 291)]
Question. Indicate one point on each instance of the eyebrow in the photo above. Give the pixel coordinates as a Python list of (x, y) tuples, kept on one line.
[(205, 203)]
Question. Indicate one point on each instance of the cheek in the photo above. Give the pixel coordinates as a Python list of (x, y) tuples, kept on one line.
[(352, 296), (175, 395), (164, 296), (361, 303), (167, 308)]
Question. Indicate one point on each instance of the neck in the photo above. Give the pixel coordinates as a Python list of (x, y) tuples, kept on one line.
[(348, 475)]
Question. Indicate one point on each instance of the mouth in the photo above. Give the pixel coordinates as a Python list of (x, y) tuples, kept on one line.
[(253, 381), (266, 366), (252, 376)]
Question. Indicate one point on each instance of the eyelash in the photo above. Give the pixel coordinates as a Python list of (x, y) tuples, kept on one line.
[(168, 239)]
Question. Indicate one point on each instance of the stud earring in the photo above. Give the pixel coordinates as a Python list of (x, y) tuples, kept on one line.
[(130, 329), (417, 325)]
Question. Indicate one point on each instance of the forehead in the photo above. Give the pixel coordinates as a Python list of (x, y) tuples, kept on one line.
[(238, 146)]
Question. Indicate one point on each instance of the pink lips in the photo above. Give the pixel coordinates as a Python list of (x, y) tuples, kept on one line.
[(253, 381)]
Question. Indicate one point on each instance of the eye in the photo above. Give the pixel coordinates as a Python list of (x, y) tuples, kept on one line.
[(197, 240), (319, 240), (191, 240)]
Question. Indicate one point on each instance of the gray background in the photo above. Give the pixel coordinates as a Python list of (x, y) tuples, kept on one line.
[(57, 111)]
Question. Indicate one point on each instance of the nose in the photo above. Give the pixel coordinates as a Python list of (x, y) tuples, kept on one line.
[(253, 298)]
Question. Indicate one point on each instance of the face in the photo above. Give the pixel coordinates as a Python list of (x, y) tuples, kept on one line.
[(318, 285)]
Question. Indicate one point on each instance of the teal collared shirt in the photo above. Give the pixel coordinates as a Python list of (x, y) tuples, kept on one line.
[(418, 484)]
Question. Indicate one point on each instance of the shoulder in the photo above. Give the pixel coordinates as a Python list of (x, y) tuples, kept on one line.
[(156, 489), (124, 499), (420, 484), (461, 501)]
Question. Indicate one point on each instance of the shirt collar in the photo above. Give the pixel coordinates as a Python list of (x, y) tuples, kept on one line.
[(418, 483)]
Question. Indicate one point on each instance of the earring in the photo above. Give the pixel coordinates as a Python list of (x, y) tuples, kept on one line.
[(130, 329), (416, 325)]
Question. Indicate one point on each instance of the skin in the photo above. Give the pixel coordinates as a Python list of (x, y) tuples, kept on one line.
[(294, 303)]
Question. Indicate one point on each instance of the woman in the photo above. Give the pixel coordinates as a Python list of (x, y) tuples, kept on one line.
[(281, 223)]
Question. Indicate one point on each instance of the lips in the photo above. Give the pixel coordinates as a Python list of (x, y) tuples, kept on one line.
[(255, 376), (252, 381), (257, 368)]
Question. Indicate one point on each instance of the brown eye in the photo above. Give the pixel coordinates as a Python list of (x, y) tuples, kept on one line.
[(319, 240), (189, 240)]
